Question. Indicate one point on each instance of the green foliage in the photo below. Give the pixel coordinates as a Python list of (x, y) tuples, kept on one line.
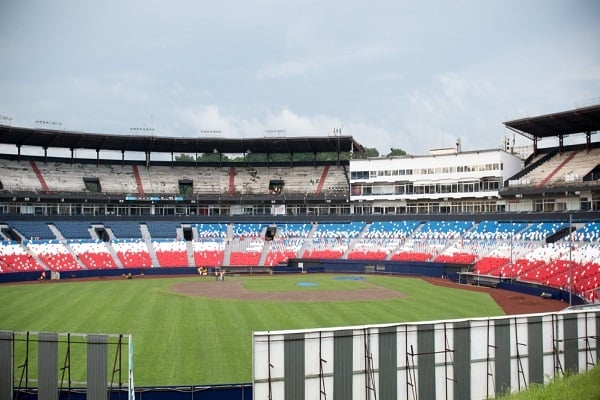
[(182, 339), (184, 158), (396, 153), (583, 386), (263, 158), (207, 157), (370, 152)]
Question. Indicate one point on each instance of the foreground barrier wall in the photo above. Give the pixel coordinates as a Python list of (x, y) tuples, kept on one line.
[(454, 359)]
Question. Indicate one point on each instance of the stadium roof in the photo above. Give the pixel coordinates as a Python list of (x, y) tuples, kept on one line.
[(48, 138), (580, 120)]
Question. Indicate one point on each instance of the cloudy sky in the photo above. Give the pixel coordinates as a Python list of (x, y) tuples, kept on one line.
[(414, 75)]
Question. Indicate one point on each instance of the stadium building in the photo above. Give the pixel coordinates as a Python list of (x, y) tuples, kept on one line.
[(525, 223)]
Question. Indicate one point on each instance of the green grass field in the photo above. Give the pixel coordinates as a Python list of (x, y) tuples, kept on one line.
[(186, 340)]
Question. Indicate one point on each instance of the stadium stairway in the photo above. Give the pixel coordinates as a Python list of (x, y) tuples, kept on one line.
[(35, 257), (62, 239), (555, 170), (114, 255), (189, 248), (265, 251), (227, 254), (353, 241), (307, 241), (189, 245), (148, 240)]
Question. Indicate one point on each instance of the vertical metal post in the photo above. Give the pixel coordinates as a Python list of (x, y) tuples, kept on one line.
[(570, 260), (512, 234)]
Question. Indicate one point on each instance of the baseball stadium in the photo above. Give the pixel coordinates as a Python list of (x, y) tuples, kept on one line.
[(150, 267)]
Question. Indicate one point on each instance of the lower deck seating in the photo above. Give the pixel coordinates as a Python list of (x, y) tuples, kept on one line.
[(15, 258), (133, 253), (492, 248), (171, 253), (93, 253), (54, 254), (209, 252)]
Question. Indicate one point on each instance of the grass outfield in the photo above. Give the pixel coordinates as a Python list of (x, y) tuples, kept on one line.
[(185, 340)]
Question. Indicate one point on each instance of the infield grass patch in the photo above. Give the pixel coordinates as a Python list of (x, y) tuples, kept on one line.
[(287, 283)]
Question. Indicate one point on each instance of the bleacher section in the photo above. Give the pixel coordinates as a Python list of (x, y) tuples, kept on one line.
[(15, 258), (287, 243), (94, 254), (31, 230), (381, 239), (209, 247), (171, 252), (246, 245), (562, 169), (66, 177), (332, 240), (430, 240), (53, 254)]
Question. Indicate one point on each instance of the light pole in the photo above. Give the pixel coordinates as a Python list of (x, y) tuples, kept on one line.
[(5, 120), (570, 260), (211, 132), (142, 130), (275, 132), (512, 233), (48, 124)]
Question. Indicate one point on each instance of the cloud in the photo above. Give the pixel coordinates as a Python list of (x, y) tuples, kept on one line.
[(286, 69)]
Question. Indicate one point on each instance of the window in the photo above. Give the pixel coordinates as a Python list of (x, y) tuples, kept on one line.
[(276, 186), (92, 185), (186, 187)]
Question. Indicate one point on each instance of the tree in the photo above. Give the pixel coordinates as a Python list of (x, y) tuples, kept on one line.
[(396, 152), (184, 158), (369, 153)]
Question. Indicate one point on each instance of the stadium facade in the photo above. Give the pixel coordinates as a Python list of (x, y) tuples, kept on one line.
[(446, 181)]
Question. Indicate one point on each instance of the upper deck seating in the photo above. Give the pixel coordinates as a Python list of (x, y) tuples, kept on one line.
[(562, 169), (211, 230), (443, 229), (74, 229), (125, 229), (19, 177), (160, 180), (304, 180), (164, 180), (163, 229), (32, 230), (494, 230), (540, 231), (67, 177), (590, 232)]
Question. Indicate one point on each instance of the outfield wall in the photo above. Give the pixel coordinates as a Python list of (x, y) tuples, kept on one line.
[(454, 359)]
